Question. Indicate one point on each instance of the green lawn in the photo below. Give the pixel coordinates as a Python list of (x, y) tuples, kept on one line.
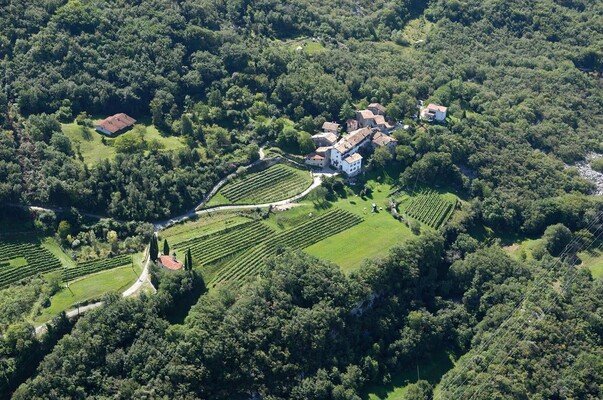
[(593, 260), (91, 147), (431, 370), (93, 150), (89, 288), (168, 142), (51, 245), (371, 238), (17, 262)]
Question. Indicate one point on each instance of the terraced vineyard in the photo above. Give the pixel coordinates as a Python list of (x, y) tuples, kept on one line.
[(251, 261), (431, 209), (38, 259), (214, 247), (90, 267), (275, 183)]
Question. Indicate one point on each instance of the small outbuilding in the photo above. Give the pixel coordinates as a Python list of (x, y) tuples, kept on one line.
[(170, 262)]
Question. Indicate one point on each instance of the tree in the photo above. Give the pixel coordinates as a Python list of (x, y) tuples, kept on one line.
[(382, 156), (64, 230), (305, 143), (422, 390), (166, 248), (347, 111), (153, 248), (186, 125), (129, 142), (188, 264), (557, 237), (43, 126)]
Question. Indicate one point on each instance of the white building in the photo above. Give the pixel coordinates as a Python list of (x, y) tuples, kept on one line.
[(352, 165), (349, 145), (436, 112)]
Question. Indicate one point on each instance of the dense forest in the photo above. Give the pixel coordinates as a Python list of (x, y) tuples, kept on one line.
[(522, 80)]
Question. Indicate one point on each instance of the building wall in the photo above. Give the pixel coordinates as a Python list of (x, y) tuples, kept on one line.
[(351, 169), (315, 163), (440, 116), (102, 130)]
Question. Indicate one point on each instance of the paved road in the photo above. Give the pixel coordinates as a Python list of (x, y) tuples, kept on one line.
[(144, 276)]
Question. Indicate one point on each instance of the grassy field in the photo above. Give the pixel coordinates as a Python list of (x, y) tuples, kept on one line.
[(93, 150), (431, 370), (308, 46), (371, 238), (275, 183), (91, 146), (89, 288), (593, 260)]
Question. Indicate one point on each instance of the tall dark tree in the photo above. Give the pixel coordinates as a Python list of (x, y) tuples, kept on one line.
[(166, 247), (153, 248), (188, 265)]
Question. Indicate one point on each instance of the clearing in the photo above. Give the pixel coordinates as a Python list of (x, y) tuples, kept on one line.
[(90, 288), (93, 150), (379, 231), (430, 370)]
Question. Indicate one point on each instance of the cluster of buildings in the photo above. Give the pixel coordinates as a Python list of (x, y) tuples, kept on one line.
[(369, 130)]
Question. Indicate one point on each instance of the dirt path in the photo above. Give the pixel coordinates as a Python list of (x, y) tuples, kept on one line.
[(144, 276)]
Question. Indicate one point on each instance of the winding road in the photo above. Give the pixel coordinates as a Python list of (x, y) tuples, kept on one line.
[(197, 211)]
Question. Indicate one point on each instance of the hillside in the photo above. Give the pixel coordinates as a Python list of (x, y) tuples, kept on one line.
[(463, 241)]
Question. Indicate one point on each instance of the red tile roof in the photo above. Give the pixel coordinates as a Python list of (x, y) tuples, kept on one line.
[(116, 123), (169, 263)]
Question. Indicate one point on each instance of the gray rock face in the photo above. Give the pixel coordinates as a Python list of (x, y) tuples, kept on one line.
[(590, 174)]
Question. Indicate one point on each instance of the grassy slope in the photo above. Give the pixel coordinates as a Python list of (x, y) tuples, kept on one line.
[(93, 150), (91, 287), (431, 370), (593, 260), (51, 245), (371, 238)]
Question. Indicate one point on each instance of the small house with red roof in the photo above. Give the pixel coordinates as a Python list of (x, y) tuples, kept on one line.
[(170, 262), (115, 124)]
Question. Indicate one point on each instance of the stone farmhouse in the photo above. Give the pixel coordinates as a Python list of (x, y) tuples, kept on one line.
[(115, 124), (435, 112), (369, 130)]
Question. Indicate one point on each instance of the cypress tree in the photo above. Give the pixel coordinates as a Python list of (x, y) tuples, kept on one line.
[(166, 247), (153, 248), (189, 259)]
